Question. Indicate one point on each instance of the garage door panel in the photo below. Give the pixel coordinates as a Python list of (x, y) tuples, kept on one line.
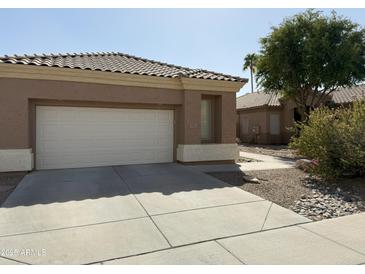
[(102, 142), (103, 159), (101, 132), (87, 156), (106, 126), (91, 148), (81, 137), (143, 139)]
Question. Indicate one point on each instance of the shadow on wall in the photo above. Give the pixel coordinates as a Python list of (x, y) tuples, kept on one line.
[(64, 185)]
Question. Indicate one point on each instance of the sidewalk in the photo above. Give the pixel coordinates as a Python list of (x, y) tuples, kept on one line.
[(330, 242), (265, 162), (335, 241)]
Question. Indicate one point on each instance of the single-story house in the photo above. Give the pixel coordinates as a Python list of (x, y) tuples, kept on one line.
[(97, 109), (265, 118)]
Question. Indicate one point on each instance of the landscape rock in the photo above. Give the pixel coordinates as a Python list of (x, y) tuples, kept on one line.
[(326, 202), (303, 164), (251, 179)]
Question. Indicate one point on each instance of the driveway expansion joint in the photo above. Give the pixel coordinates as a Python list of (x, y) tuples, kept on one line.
[(329, 239), (206, 207), (195, 243), (267, 215), (149, 216), (71, 227), (129, 256), (17, 261), (230, 252)]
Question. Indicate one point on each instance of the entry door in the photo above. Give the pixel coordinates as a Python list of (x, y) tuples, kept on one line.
[(68, 137)]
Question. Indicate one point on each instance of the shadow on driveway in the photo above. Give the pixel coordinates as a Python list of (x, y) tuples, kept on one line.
[(64, 185)]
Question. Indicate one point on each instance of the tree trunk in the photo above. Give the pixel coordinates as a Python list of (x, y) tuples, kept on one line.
[(301, 103), (251, 79), (303, 112)]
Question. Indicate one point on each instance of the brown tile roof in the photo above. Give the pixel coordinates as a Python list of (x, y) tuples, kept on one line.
[(257, 99), (261, 99), (117, 62), (347, 95)]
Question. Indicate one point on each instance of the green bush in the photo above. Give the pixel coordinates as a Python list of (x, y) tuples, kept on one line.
[(334, 139)]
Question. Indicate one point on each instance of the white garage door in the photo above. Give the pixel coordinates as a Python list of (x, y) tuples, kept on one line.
[(69, 137)]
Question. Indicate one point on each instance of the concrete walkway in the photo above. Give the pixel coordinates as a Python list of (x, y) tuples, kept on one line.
[(162, 214), (264, 162), (336, 241)]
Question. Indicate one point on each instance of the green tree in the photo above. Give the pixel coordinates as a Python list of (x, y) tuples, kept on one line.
[(310, 55), (250, 63)]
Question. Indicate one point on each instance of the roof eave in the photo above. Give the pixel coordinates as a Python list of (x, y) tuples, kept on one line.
[(211, 85), (114, 78), (260, 107)]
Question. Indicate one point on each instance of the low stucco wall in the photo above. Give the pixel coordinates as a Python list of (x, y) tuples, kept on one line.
[(207, 152), (16, 160)]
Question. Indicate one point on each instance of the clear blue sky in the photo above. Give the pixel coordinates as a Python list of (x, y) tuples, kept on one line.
[(214, 39)]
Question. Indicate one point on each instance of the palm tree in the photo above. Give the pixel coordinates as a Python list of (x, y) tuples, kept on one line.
[(250, 62)]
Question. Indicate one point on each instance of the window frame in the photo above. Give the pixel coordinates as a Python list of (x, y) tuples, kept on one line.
[(211, 138), (275, 129)]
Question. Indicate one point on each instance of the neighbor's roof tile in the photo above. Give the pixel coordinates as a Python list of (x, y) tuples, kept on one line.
[(260, 99), (117, 62), (257, 99), (347, 95)]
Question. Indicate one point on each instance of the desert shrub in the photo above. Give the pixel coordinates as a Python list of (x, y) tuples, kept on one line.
[(334, 139)]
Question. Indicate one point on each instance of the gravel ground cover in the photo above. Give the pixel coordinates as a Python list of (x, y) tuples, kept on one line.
[(271, 150), (329, 200), (8, 182), (304, 194)]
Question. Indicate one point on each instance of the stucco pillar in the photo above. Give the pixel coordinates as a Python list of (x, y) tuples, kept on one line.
[(15, 151), (191, 149), (14, 118), (228, 118), (191, 117)]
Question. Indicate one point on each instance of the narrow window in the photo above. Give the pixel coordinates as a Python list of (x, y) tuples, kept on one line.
[(274, 123), (206, 121)]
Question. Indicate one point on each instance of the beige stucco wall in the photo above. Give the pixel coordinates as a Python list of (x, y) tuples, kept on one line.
[(228, 118), (260, 117), (18, 98), (256, 118), (225, 120)]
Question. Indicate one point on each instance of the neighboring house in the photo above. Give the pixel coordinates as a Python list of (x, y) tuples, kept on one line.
[(265, 118), (81, 110)]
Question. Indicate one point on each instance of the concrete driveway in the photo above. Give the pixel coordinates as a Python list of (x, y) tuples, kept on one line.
[(166, 213)]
